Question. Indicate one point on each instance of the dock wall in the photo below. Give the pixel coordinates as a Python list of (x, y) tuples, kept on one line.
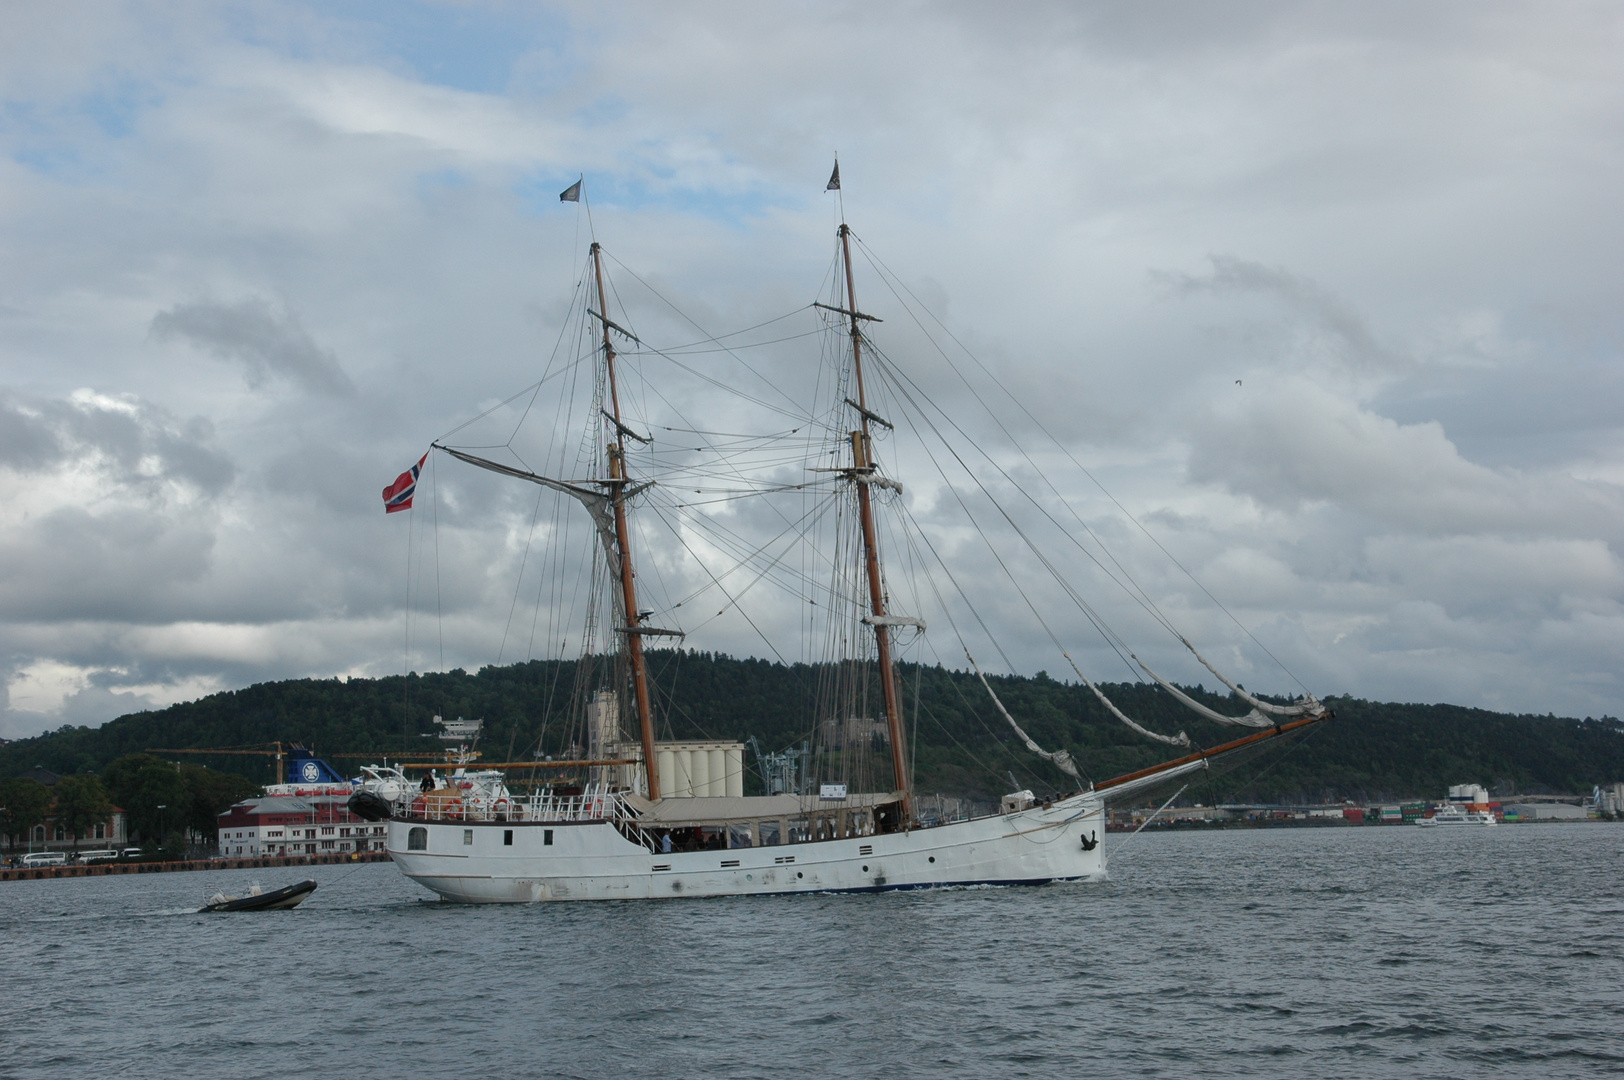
[(244, 863)]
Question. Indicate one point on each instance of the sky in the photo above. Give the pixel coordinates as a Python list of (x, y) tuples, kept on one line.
[(1326, 296)]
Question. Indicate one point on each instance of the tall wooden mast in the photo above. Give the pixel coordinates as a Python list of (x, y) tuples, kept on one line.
[(862, 449), (628, 584)]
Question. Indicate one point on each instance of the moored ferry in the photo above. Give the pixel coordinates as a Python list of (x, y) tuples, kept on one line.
[(1468, 805)]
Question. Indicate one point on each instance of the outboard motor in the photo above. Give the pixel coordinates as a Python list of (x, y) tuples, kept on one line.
[(369, 806)]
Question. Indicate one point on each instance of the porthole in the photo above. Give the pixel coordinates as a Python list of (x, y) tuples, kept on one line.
[(865, 869), (799, 874), (933, 858)]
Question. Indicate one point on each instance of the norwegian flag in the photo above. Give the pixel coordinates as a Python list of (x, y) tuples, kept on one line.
[(398, 496)]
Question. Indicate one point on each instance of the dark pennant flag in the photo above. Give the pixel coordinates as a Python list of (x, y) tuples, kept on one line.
[(571, 193), (834, 178)]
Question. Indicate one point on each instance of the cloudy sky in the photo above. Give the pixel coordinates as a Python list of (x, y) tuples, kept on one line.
[(1328, 296)]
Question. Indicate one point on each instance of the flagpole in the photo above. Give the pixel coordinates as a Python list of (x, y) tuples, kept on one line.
[(587, 204), (406, 659), (439, 617), (576, 193)]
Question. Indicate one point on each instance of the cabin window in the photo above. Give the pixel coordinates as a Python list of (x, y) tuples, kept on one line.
[(417, 839), (468, 836), (547, 837), (738, 836), (767, 834), (507, 837)]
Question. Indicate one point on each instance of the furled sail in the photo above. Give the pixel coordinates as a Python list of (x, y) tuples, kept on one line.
[(1251, 719), (1307, 705), (1061, 757), (1181, 739)]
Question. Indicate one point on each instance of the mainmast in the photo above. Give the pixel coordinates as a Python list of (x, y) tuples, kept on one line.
[(617, 484), (863, 469)]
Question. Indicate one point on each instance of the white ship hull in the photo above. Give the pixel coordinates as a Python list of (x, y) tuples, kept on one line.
[(518, 862), (1452, 816)]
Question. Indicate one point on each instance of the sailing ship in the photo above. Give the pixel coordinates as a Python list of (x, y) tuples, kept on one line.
[(668, 819)]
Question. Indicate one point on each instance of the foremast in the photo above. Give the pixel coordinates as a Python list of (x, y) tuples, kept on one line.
[(862, 471), (617, 482)]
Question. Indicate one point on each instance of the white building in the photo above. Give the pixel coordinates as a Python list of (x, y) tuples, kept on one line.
[(291, 825)]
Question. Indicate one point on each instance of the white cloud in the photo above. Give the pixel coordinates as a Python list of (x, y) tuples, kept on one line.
[(1298, 443), (44, 685)]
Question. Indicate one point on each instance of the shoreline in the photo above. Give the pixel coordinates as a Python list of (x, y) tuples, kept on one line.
[(1324, 823), (272, 861), (34, 873)]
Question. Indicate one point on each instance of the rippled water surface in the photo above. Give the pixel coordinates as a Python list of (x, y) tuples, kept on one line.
[(1359, 952)]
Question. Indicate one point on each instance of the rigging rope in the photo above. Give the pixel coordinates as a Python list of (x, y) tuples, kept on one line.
[(1251, 719), (1255, 719), (1308, 704), (1181, 739), (1147, 821), (888, 277), (759, 453)]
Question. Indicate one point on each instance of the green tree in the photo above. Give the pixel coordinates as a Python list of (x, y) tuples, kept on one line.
[(81, 803), (23, 804), (152, 792), (210, 792)]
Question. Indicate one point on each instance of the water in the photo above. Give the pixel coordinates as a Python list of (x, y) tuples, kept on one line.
[(1374, 952)]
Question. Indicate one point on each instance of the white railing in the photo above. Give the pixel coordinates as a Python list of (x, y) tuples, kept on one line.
[(476, 805)]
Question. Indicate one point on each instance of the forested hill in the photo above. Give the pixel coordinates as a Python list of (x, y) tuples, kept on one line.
[(1371, 751)]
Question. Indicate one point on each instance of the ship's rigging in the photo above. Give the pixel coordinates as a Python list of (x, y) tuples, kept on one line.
[(712, 512)]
